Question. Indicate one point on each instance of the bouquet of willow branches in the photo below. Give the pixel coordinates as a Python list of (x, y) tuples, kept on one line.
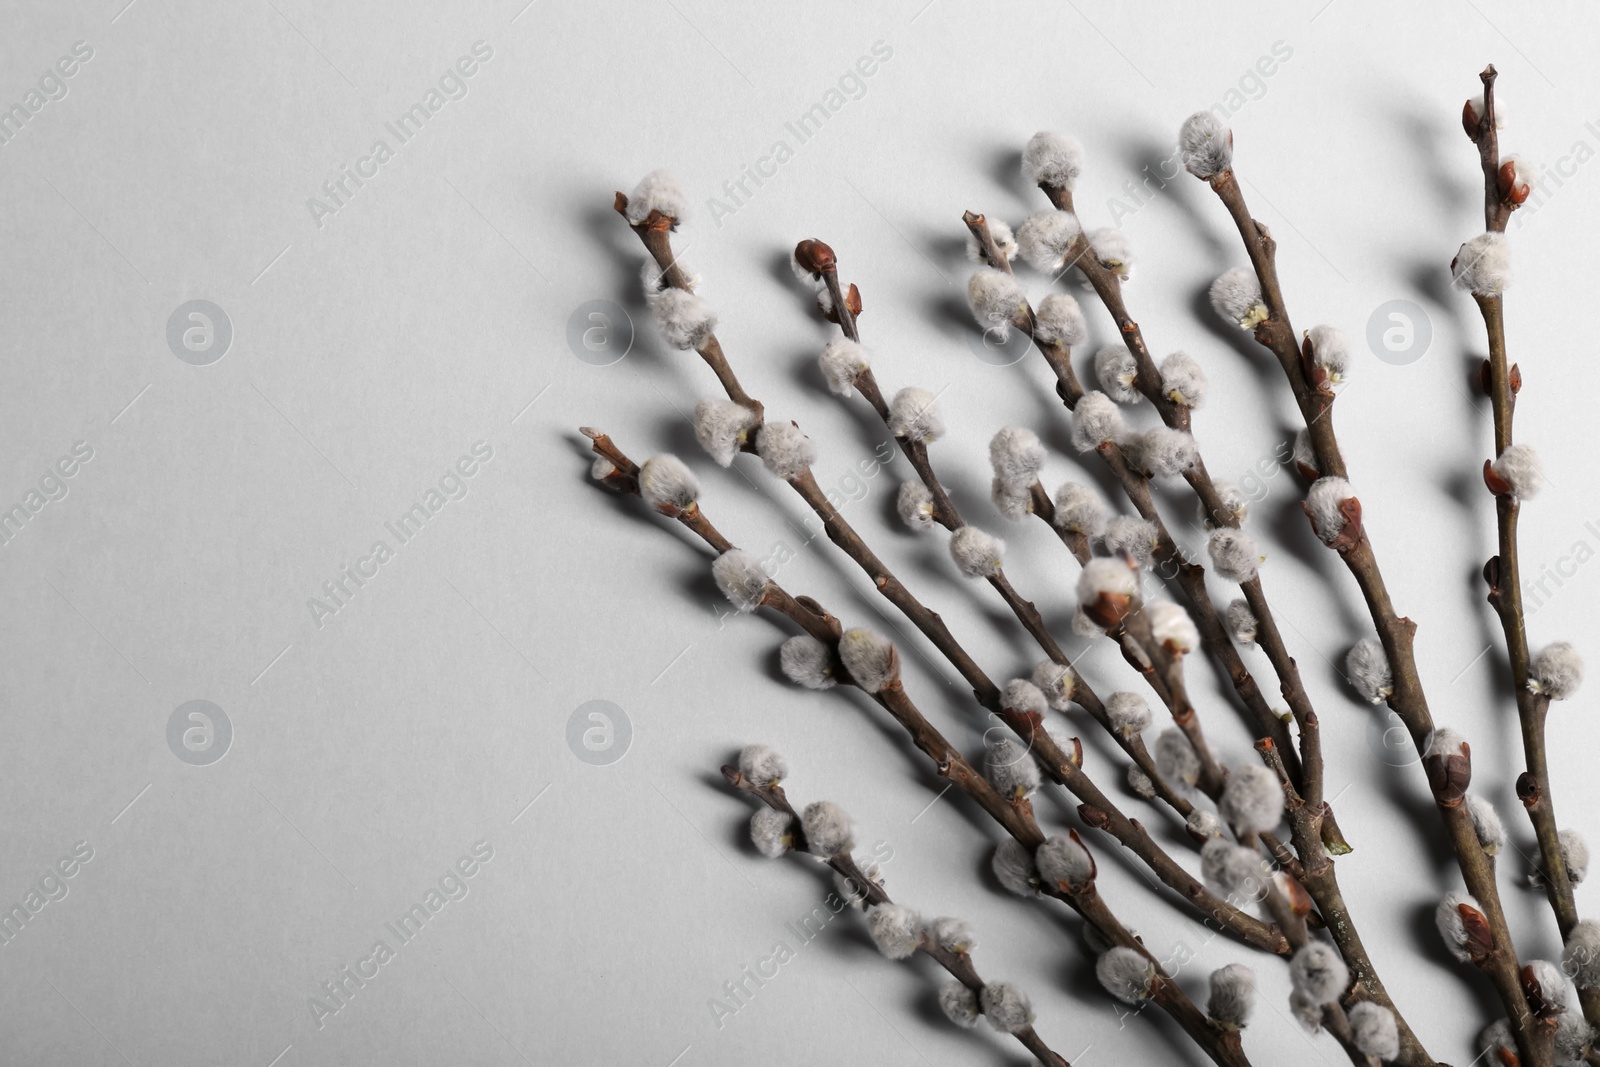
[(1266, 838)]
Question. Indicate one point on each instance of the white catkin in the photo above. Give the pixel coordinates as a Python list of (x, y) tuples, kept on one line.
[(1331, 351), (1056, 682), (1368, 667), (1574, 1036), (1166, 452), (953, 935), (805, 661), (1234, 554), (1126, 974), (914, 505), (1500, 113), (1556, 671), (1052, 159), (665, 482), (827, 829), (1318, 974), (1443, 741), (870, 659), (684, 319), (1012, 503), (1486, 824), (1447, 918), (1238, 873), (977, 554), (1115, 370), (1552, 982), (1058, 320), (842, 360), (1233, 995), (1140, 782), (1574, 857), (1010, 769), (1079, 511), (914, 414), (1105, 576), (1044, 239), (1306, 1013), (959, 1004), (1128, 713), (1006, 1007), (763, 765), (1014, 868), (657, 191), (1374, 1031), (1304, 454), (722, 427), (1172, 627), (1175, 757), (1236, 297), (1206, 145), (1095, 421), (601, 469), (1016, 455), (854, 892), (786, 451), (741, 578), (1061, 861), (1242, 621), (1182, 380), (1581, 957), (1022, 695), (769, 830), (1483, 265), (1252, 799), (895, 929), (1203, 824), (1113, 250), (1131, 536), (1323, 502), (1496, 1035), (1519, 467), (1235, 505), (995, 297), (1005, 242)]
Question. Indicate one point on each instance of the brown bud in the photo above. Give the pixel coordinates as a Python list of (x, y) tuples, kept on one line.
[(1469, 120), (1075, 757), (1109, 609), (1545, 1004), (1485, 379), (1492, 575), (1093, 816), (814, 256), (1449, 774), (1528, 790), (1507, 1057), (1332, 837), (1516, 378), (1480, 939), (1294, 893), (1308, 472), (1497, 485), (1512, 188)]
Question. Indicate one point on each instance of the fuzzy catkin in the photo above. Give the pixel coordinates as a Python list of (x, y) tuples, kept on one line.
[(763, 765), (842, 361), (1014, 868), (1234, 554), (1552, 983), (1242, 621), (657, 191), (1235, 506), (1374, 1031), (1483, 265), (722, 428), (1052, 159), (1304, 453), (1101, 576), (684, 319), (806, 661), (1131, 536), (786, 451), (914, 505), (827, 829), (1182, 380), (1447, 917), (977, 554), (1140, 782), (1233, 995), (870, 659), (895, 929), (1486, 824), (1045, 237), (1113, 250), (1058, 320), (1556, 671), (1166, 452), (1236, 297), (1013, 504), (959, 1004), (1079, 511), (1015, 456), (666, 483), (1116, 371), (1519, 467), (1020, 694), (1063, 863), (1128, 713), (1331, 352), (741, 578), (914, 415), (1318, 974), (1056, 682), (1172, 627), (1010, 769), (1574, 857), (1324, 504), (1581, 957), (995, 297), (1126, 974), (1203, 824), (1175, 757), (1006, 1007), (1368, 667), (1236, 872), (1095, 421), (1206, 145), (953, 935), (769, 831), (1252, 799), (1005, 242)]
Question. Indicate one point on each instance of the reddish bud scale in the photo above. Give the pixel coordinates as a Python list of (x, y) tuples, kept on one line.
[(814, 256), (1528, 790), (1109, 609), (1449, 775), (1497, 485), (1480, 939), (1512, 188), (1469, 120)]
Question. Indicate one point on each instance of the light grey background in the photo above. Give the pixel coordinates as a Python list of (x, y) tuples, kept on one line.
[(430, 312)]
